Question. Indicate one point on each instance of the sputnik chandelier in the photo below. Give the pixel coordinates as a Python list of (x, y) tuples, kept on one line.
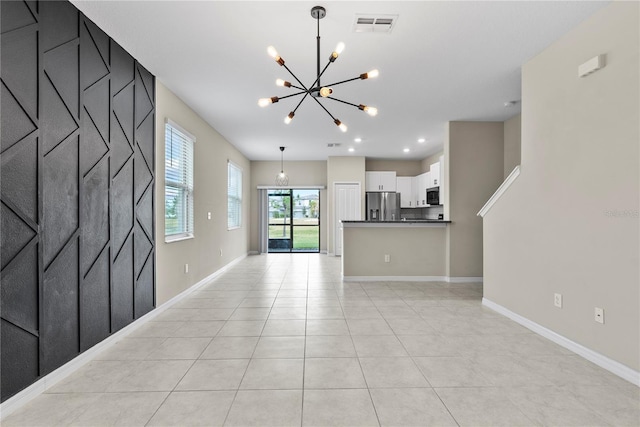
[(316, 89)]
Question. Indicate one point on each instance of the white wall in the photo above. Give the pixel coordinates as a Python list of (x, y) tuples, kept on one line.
[(569, 224), (202, 253)]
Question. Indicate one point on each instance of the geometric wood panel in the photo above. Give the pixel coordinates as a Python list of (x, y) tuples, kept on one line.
[(123, 284), (60, 327), (77, 177)]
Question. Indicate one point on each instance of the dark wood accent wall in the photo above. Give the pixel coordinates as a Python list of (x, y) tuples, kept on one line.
[(77, 183)]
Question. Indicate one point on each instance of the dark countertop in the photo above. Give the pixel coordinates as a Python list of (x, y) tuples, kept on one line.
[(408, 221)]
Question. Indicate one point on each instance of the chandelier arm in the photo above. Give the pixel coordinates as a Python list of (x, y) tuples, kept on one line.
[(303, 98), (323, 107), (344, 102), (298, 87), (293, 94), (320, 75), (294, 76), (344, 81)]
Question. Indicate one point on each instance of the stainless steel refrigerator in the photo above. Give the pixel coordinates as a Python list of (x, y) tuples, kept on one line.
[(383, 206)]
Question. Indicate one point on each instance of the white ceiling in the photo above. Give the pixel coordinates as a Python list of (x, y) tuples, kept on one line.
[(443, 61)]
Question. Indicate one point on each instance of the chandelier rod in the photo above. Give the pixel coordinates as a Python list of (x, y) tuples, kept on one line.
[(318, 52)]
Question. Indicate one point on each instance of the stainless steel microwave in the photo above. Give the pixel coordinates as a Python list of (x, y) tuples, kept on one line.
[(433, 196)]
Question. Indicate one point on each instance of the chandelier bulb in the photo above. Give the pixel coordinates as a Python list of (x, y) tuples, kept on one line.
[(370, 75), (341, 125), (263, 102), (325, 91), (283, 83), (274, 54), (372, 111), (289, 117), (337, 52)]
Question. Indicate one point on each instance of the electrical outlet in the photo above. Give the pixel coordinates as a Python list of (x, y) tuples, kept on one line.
[(387, 258), (186, 268), (599, 315), (557, 300), (208, 215)]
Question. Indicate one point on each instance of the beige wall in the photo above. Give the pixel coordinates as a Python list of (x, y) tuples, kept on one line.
[(428, 161), (413, 251), (342, 169), (300, 173), (580, 156), (512, 132), (474, 156), (202, 253), (401, 167)]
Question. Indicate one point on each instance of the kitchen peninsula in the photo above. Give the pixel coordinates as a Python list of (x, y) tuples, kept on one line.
[(411, 250)]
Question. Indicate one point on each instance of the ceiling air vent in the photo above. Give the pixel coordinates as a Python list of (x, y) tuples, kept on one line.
[(374, 23), (333, 144)]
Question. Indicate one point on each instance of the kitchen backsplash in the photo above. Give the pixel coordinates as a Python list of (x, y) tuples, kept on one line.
[(423, 213)]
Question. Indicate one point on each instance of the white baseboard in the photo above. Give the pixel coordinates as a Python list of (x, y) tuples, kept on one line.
[(253, 253), (394, 278), (43, 384), (412, 279), (323, 252), (465, 279), (610, 365)]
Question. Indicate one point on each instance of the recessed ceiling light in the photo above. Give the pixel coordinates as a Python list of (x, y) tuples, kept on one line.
[(358, 140), (351, 149), (421, 140), (406, 150)]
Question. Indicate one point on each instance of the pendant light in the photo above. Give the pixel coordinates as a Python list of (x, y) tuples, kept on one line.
[(282, 179), (316, 89)]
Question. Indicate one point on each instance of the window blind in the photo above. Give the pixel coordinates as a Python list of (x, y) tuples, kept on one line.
[(178, 189), (234, 196)]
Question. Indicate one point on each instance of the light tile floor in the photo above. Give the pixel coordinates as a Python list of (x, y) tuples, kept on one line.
[(280, 340)]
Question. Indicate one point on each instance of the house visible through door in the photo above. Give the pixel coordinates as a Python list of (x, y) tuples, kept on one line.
[(294, 220)]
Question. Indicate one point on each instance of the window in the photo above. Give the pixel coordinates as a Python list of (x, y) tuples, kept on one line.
[(234, 196), (178, 186)]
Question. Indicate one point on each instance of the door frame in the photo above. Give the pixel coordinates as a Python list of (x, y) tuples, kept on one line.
[(292, 226)]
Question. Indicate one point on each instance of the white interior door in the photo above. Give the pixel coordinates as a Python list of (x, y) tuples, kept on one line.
[(347, 207)]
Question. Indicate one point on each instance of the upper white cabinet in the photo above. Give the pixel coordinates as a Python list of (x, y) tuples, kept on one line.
[(380, 181), (435, 180), (424, 182), (404, 186)]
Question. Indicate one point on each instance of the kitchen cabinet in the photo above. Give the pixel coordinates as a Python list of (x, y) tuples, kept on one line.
[(442, 180), (424, 182), (434, 180), (380, 181), (405, 186)]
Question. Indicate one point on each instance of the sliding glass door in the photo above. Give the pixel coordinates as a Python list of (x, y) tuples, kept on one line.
[(294, 220)]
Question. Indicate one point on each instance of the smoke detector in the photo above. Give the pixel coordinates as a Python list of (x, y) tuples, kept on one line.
[(368, 23)]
